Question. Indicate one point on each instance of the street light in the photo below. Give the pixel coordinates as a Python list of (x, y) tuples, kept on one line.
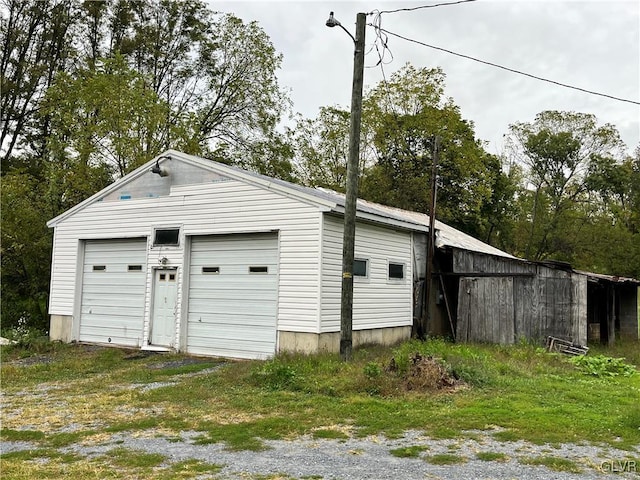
[(351, 194)]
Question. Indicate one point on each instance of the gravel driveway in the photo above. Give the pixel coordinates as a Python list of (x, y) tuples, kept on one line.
[(359, 458), (371, 458)]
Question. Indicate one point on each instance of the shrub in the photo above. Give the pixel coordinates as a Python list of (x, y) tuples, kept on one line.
[(372, 370), (603, 366), (275, 375)]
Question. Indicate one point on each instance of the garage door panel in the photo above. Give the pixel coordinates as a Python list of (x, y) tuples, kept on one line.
[(232, 348), (234, 306), (230, 318), (205, 292), (112, 303), (231, 331), (225, 282), (233, 311), (113, 311)]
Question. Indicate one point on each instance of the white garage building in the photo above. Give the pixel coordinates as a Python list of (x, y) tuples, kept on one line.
[(191, 255)]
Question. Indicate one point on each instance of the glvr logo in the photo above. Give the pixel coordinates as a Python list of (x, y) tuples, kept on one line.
[(619, 466)]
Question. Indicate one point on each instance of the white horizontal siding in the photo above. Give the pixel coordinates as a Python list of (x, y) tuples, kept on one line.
[(378, 302), (208, 209)]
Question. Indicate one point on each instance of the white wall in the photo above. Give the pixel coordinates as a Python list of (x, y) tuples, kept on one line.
[(378, 301), (212, 208)]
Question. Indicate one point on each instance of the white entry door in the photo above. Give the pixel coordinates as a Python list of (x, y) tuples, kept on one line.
[(165, 295)]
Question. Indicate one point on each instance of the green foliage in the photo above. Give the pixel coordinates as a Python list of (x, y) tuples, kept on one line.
[(330, 434), (603, 366), (445, 459), (404, 115), (579, 195), (194, 468), (276, 375), (413, 451), (322, 148), (467, 364), (26, 252), (372, 370), (554, 463), (131, 458), (106, 115), (492, 457)]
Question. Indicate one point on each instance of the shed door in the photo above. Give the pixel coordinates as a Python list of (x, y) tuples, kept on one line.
[(113, 291), (233, 290)]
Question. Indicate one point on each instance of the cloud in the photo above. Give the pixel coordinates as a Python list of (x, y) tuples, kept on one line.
[(590, 44)]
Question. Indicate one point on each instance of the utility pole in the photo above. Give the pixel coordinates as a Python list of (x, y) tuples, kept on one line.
[(431, 244), (351, 195)]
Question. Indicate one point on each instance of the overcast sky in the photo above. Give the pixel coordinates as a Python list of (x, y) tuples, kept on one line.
[(594, 45)]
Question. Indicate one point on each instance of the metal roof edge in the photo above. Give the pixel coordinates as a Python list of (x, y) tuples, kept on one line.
[(608, 278)]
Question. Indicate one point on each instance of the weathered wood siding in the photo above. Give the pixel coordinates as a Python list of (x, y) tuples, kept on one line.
[(486, 310), (522, 301)]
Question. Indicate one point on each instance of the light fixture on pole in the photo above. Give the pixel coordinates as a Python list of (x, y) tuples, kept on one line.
[(351, 193)]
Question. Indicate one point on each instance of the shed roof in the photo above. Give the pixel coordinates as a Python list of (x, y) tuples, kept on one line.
[(609, 278)]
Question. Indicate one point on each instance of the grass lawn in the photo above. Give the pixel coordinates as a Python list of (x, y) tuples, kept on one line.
[(69, 394)]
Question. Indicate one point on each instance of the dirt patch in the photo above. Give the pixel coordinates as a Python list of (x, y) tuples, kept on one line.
[(178, 363), (32, 360)]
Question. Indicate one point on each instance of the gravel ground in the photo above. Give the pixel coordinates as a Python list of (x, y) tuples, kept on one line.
[(357, 458), (370, 458)]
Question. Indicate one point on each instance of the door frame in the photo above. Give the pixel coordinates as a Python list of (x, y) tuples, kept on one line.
[(154, 273)]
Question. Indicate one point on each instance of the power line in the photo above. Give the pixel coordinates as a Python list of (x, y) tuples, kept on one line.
[(383, 40), (411, 9), (506, 68)]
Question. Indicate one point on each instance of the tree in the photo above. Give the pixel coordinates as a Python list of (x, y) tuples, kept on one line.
[(322, 146), (36, 44), (405, 114), (107, 116), (26, 251), (216, 73), (557, 150), (401, 117)]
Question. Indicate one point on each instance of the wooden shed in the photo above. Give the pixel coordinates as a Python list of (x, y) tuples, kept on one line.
[(506, 300), (482, 294)]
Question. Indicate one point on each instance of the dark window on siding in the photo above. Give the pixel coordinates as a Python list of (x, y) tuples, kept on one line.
[(396, 270), (134, 268), (166, 236), (259, 269), (99, 268), (210, 270), (360, 267)]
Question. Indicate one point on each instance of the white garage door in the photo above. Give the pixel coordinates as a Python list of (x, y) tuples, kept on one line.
[(113, 291), (233, 291)]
